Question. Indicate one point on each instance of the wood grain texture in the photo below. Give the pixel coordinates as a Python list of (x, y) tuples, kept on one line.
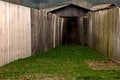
[(46, 31), (70, 11), (104, 32), (15, 32)]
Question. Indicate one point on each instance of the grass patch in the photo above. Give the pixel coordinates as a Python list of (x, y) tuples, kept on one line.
[(63, 63)]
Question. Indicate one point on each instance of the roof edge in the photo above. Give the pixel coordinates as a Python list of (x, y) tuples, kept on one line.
[(68, 4)]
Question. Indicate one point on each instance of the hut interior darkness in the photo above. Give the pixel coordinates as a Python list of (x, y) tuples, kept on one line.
[(70, 31)]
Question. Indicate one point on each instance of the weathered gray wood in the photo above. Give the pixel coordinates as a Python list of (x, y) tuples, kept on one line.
[(46, 30), (15, 32), (70, 11), (105, 32)]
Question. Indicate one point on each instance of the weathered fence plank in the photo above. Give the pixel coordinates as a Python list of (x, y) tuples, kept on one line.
[(46, 30), (104, 30), (15, 32)]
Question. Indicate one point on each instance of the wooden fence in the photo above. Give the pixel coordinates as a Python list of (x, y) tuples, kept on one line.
[(25, 31), (46, 31), (104, 32), (15, 30)]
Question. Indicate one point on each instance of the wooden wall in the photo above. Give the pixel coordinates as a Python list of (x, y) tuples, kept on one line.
[(104, 32), (46, 31), (15, 31)]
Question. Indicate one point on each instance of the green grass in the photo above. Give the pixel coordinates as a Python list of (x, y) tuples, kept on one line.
[(62, 63)]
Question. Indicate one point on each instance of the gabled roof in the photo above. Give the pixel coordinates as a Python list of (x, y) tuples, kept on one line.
[(66, 5), (102, 6)]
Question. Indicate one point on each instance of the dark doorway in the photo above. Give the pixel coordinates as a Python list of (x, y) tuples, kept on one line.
[(70, 31)]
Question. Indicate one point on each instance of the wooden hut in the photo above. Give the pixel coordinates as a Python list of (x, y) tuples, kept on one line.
[(75, 22)]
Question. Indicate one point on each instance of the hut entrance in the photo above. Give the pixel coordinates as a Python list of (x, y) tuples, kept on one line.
[(70, 31)]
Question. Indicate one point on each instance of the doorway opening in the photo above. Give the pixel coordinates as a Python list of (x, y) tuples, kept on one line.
[(70, 31)]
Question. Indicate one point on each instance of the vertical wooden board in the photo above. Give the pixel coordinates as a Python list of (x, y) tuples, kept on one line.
[(111, 34), (49, 21), (12, 27), (10, 34), (16, 37), (116, 43), (32, 29), (4, 41), (1, 54), (18, 31), (37, 30), (116, 32), (41, 30), (46, 30), (112, 56), (97, 31), (60, 25), (90, 30), (118, 25), (1, 29), (29, 28), (118, 40), (62, 21), (93, 32), (105, 31), (7, 30), (93, 35), (54, 31), (116, 13), (48, 34), (27, 32), (51, 30), (80, 27), (22, 30), (58, 30)]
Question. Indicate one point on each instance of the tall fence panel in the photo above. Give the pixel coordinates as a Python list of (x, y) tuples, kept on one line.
[(15, 32), (46, 31), (104, 32)]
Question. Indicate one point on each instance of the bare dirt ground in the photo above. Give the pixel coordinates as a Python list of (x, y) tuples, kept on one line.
[(103, 65)]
